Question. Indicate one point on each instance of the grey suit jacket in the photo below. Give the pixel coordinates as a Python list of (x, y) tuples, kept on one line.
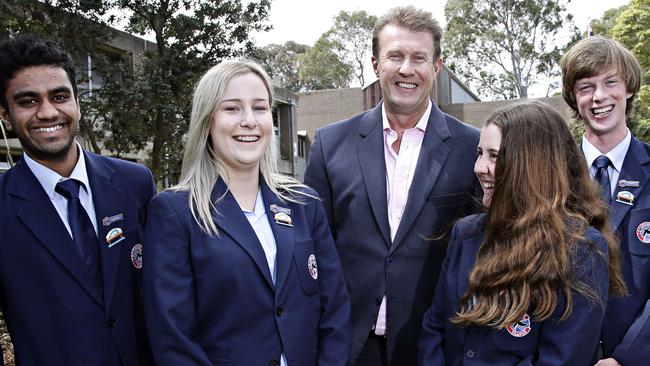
[(347, 169)]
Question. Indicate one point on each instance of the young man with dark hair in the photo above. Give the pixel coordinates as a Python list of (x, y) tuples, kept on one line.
[(70, 249), (600, 79)]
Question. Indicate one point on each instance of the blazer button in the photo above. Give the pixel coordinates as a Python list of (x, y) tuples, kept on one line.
[(112, 323), (279, 311), (470, 354), (274, 362), (390, 261)]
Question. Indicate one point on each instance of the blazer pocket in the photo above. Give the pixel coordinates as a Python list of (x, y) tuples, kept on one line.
[(453, 199), (639, 232), (306, 263)]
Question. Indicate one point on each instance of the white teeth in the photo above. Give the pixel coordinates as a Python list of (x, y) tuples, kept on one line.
[(49, 129), (488, 185), (602, 110), (247, 138), (406, 85)]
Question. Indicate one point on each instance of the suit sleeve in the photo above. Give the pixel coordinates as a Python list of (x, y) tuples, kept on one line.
[(316, 177), (169, 298), (431, 344), (334, 329), (633, 349), (574, 341)]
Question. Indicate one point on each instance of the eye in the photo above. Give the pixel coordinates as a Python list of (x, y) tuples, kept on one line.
[(261, 108), (419, 59), (395, 57), (61, 98), (612, 82), (26, 102), (230, 108)]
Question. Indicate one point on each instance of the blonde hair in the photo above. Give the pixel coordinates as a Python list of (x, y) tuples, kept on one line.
[(202, 167)]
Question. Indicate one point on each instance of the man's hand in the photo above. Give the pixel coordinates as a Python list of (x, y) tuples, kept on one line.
[(607, 362)]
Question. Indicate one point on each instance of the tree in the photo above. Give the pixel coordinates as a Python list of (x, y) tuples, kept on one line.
[(631, 29), (603, 26), (504, 47), (321, 68), (353, 32), (281, 62)]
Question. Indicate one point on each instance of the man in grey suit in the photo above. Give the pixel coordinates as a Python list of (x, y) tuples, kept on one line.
[(393, 180)]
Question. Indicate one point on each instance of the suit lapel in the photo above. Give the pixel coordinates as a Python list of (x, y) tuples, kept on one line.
[(108, 201), (636, 167), (373, 167), (284, 235), (41, 218), (231, 220), (433, 155)]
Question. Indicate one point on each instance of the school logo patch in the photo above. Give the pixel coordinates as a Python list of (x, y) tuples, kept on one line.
[(643, 232), (136, 256), (520, 328), (312, 266)]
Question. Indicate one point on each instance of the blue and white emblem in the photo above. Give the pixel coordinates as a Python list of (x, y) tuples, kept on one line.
[(312, 266), (520, 328)]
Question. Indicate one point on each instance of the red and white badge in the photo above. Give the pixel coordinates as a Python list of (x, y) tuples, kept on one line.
[(520, 328), (136, 256), (643, 232)]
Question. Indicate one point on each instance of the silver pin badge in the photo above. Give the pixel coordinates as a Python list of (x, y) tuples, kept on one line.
[(108, 220), (277, 209), (114, 236), (312, 266), (625, 197), (628, 183)]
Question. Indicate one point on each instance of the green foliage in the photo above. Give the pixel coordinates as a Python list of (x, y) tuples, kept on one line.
[(146, 103), (353, 31), (504, 47), (631, 28), (281, 62), (321, 68), (603, 26)]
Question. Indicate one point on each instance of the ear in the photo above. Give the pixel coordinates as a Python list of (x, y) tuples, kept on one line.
[(4, 115), (375, 65), (437, 66)]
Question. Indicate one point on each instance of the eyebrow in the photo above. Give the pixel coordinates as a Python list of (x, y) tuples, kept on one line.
[(239, 100)]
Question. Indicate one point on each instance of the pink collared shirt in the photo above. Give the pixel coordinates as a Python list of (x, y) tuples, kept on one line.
[(400, 168)]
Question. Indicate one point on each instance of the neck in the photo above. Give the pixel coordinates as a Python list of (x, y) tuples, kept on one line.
[(244, 187), (63, 165), (606, 142), (400, 121)]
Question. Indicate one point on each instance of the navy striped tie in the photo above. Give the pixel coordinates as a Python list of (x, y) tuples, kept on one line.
[(602, 176)]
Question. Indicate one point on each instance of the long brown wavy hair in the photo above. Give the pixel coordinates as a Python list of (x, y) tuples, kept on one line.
[(543, 202)]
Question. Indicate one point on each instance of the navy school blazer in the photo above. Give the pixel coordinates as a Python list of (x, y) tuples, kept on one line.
[(573, 341), (210, 300), (626, 332), (55, 313)]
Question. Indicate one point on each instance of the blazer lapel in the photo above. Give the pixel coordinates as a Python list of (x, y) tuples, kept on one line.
[(41, 218), (433, 155), (284, 235), (636, 167), (108, 201), (231, 220), (373, 168)]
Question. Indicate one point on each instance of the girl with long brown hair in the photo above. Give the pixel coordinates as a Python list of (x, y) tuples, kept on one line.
[(526, 282)]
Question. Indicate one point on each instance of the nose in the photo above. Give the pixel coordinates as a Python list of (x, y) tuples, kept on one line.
[(481, 166), (406, 68), (598, 93), (47, 111), (248, 119)]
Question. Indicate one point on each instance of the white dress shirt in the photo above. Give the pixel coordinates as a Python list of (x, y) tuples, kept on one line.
[(615, 155)]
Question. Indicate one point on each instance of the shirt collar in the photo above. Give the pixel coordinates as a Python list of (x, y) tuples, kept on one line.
[(421, 125), (615, 155), (48, 178), (259, 210)]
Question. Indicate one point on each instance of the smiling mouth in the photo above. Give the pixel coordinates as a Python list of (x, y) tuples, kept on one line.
[(601, 111), (487, 185), (247, 138), (49, 129), (406, 85)]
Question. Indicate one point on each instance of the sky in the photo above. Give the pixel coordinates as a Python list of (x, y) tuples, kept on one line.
[(303, 21)]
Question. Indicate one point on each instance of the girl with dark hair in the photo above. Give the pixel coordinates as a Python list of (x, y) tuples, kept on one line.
[(525, 283)]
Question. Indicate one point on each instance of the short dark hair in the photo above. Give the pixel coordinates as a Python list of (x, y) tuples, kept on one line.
[(27, 51), (411, 18), (592, 56)]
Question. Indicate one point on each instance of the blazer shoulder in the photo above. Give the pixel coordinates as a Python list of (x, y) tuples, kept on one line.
[(470, 226), (176, 202)]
